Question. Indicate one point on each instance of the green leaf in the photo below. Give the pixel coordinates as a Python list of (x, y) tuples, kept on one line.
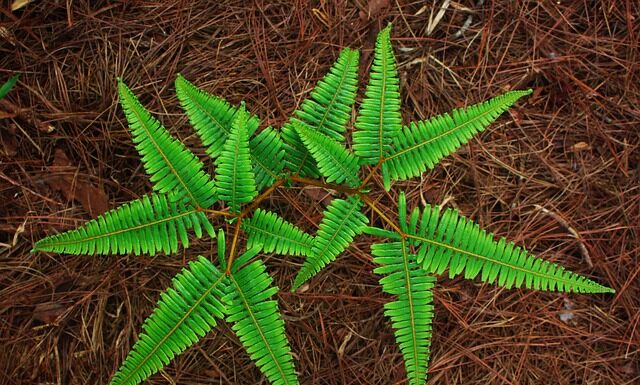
[(185, 313), (342, 222), (144, 226), (235, 179), (412, 312), (267, 157), (421, 145), (336, 163), (210, 116), (257, 321), (275, 234), (379, 119), (327, 110), (448, 240), (8, 85), (172, 167)]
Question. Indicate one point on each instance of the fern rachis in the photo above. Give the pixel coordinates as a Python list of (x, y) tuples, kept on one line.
[(250, 165)]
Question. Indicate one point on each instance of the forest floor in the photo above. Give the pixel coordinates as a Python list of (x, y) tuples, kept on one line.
[(559, 174)]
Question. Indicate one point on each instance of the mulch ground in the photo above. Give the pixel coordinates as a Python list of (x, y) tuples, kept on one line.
[(559, 174)]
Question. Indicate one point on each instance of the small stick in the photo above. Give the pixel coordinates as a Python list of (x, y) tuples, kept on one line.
[(572, 231)]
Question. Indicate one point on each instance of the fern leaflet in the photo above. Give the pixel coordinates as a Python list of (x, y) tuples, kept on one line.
[(379, 119), (336, 163), (144, 226), (275, 234), (257, 321), (421, 145), (412, 313), (210, 116), (448, 240), (235, 178), (327, 110), (8, 85), (342, 222), (185, 313), (267, 157), (172, 167)]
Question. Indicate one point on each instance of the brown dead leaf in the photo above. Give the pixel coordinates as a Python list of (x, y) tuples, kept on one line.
[(318, 194), (374, 7), (64, 179), (48, 312)]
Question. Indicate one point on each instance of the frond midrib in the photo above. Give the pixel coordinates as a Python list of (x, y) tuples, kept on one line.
[(255, 322), (262, 165), (407, 277), (343, 224), (502, 263), (173, 329), (324, 117), (263, 231), (234, 197), (455, 128), (334, 160), (348, 176), (164, 156), (382, 100), (203, 109), (335, 94), (120, 231)]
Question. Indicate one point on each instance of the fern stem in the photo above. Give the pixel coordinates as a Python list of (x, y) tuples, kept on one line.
[(249, 209), (329, 186), (217, 212), (234, 244), (370, 175), (382, 215)]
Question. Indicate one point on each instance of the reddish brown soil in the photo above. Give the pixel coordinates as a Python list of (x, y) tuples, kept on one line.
[(565, 159)]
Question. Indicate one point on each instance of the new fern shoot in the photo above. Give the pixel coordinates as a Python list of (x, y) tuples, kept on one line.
[(250, 165)]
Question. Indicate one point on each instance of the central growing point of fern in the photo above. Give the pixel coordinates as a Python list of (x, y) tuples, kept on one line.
[(250, 164)]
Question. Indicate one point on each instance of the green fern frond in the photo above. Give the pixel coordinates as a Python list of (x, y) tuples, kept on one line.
[(267, 157), (172, 167), (412, 312), (275, 234), (210, 116), (379, 119), (143, 226), (257, 321), (341, 223), (421, 145), (327, 110), (213, 117), (185, 313), (336, 163), (448, 240), (235, 179)]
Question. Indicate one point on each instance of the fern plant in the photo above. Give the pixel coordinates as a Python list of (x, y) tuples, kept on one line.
[(250, 164)]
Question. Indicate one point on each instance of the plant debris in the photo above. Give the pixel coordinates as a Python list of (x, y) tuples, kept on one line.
[(581, 58)]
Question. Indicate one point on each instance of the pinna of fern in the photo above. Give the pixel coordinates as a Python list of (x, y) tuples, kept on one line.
[(250, 161)]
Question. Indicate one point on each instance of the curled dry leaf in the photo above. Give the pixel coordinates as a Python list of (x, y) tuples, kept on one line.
[(64, 179)]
